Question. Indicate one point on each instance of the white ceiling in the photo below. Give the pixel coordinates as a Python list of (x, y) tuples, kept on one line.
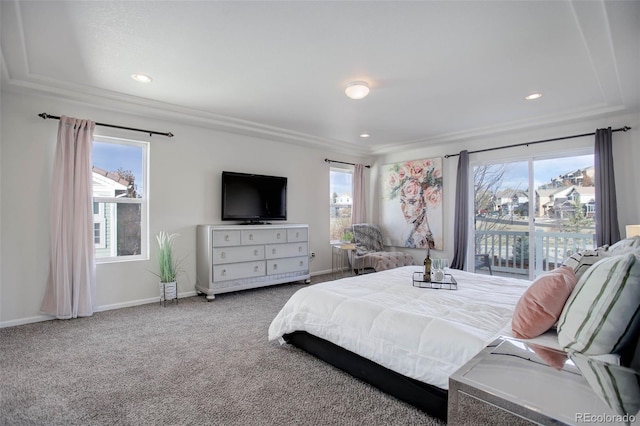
[(438, 70)]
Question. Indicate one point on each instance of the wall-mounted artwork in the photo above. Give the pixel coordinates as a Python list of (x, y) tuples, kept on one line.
[(411, 208)]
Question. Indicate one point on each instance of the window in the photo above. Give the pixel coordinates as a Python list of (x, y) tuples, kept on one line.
[(340, 202), (532, 214), (120, 199)]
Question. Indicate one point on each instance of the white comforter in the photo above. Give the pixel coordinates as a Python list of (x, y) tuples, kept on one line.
[(421, 333)]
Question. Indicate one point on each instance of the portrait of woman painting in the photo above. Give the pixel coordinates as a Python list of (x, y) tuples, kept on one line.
[(412, 204)]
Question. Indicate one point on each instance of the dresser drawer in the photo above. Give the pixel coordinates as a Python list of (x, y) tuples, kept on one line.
[(290, 264), (263, 236), (223, 238), (297, 234), (234, 271), (273, 251), (237, 254)]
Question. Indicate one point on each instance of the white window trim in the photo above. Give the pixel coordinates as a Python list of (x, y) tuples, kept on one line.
[(144, 202)]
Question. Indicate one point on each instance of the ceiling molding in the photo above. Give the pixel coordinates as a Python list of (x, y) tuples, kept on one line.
[(513, 127), (116, 102)]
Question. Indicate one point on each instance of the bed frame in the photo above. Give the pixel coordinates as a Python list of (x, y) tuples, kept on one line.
[(428, 398)]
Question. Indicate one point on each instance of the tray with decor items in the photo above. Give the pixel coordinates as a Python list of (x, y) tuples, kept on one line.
[(448, 283)]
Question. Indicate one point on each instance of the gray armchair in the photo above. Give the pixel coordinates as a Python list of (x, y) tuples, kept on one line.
[(370, 255)]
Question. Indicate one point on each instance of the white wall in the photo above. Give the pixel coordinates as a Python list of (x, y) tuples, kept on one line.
[(626, 158), (184, 191)]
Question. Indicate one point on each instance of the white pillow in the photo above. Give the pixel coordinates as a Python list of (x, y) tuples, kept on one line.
[(625, 246), (603, 311)]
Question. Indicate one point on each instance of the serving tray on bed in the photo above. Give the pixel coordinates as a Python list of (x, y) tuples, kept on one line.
[(449, 283)]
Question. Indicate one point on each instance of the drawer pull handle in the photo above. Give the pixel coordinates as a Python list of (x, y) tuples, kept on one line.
[(227, 237), (255, 268), (275, 266), (255, 252), (278, 235), (224, 272), (297, 235), (299, 249), (223, 255), (301, 263), (273, 251), (251, 237)]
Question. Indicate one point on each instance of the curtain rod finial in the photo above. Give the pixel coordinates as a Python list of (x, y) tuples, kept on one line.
[(43, 115)]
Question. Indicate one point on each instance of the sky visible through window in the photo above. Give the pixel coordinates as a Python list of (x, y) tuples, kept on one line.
[(340, 182), (112, 156), (544, 171)]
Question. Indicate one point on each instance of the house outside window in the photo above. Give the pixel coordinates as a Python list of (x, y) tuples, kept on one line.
[(340, 202), (99, 226), (120, 190)]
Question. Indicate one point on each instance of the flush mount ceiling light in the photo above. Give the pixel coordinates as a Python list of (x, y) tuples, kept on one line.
[(357, 89), (533, 96), (141, 78), (364, 135)]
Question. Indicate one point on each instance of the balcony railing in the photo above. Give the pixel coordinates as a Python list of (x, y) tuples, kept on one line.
[(509, 250)]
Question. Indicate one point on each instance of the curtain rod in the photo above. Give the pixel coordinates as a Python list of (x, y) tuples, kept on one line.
[(44, 115), (622, 129), (326, 160)]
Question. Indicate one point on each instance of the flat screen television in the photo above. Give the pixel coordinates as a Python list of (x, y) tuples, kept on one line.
[(253, 198)]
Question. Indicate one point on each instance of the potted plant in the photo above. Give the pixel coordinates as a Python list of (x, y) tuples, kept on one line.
[(347, 237), (168, 266)]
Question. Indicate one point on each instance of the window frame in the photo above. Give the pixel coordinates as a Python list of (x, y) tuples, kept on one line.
[(348, 170), (530, 158), (143, 201)]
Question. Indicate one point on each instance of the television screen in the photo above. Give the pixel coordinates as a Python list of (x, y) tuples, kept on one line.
[(253, 198)]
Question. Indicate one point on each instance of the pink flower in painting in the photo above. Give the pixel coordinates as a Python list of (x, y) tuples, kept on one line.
[(416, 171), (436, 173), (411, 189), (427, 163), (402, 173), (433, 195), (393, 180)]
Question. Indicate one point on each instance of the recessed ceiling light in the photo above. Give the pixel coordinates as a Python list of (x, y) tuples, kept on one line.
[(142, 78), (357, 89), (364, 135), (533, 96)]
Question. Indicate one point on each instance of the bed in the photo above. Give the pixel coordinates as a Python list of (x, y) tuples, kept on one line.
[(402, 339)]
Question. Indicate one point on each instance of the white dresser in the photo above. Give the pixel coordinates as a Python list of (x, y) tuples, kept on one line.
[(239, 257)]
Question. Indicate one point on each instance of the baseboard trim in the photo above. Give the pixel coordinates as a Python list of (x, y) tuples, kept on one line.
[(23, 321), (40, 318)]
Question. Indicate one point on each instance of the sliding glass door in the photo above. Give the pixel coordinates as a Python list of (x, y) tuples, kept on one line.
[(529, 215)]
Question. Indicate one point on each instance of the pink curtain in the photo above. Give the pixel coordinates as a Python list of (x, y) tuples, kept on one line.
[(359, 208), (70, 288)]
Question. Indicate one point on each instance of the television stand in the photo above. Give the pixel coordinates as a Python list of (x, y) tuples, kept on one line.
[(240, 257)]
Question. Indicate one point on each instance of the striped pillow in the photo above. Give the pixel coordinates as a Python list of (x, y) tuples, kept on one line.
[(603, 311), (581, 261), (626, 245)]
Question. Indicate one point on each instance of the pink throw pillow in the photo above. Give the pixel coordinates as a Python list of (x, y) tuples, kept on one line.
[(541, 304)]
